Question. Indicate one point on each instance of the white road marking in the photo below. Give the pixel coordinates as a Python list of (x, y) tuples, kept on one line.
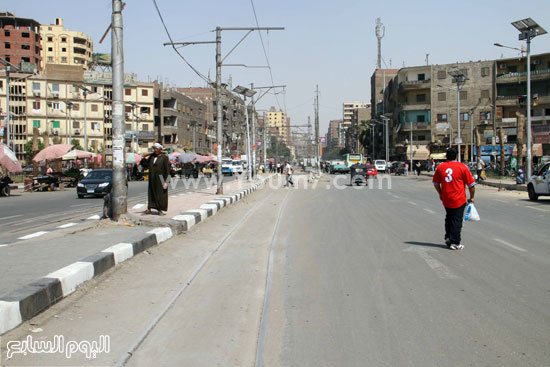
[(13, 216), (429, 211), (412, 202), (32, 235), (535, 208), (138, 206), (67, 225), (94, 217), (72, 206), (441, 270), (3, 245), (173, 196), (510, 245), (395, 196)]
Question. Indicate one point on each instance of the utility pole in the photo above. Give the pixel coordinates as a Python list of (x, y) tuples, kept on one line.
[(134, 125), (119, 197), (85, 92), (317, 128), (70, 106), (458, 78), (253, 145), (380, 32)]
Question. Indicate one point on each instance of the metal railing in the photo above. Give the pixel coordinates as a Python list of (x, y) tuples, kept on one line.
[(524, 73)]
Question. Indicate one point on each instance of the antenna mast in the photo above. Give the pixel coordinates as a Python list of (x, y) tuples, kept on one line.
[(380, 32)]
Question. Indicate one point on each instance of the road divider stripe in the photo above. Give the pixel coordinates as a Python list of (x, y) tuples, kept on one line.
[(429, 211), (535, 208), (517, 248), (412, 203), (93, 217), (33, 235), (12, 216), (67, 225)]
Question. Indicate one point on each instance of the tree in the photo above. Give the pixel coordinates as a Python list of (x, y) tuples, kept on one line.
[(28, 148), (278, 149), (333, 154), (76, 144)]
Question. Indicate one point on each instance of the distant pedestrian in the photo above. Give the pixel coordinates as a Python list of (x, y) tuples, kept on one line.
[(480, 165), (288, 171), (449, 181), (388, 169), (417, 168), (159, 171), (406, 169), (433, 165)]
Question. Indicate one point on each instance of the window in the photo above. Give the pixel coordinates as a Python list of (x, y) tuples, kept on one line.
[(36, 105), (25, 47), (485, 115), (465, 116), (1, 84), (63, 49), (421, 137), (127, 92), (128, 127), (485, 93), (25, 35), (127, 109), (7, 45), (50, 49), (55, 124), (7, 33), (50, 59), (485, 71), (420, 118), (145, 127), (420, 98), (94, 108), (36, 123), (441, 96), (146, 110), (95, 125), (76, 124), (63, 39), (55, 87), (442, 117), (144, 92), (50, 39), (54, 105), (463, 95), (421, 76), (64, 59), (513, 69), (441, 74), (76, 107), (547, 112)]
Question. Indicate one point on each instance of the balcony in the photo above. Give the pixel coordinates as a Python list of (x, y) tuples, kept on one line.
[(416, 126), (542, 74), (415, 84)]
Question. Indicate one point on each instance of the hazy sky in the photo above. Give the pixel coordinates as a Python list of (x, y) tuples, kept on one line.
[(326, 42)]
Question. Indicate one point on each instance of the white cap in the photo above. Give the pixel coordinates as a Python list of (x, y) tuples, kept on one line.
[(157, 145)]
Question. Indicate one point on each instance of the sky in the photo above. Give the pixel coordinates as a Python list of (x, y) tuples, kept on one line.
[(329, 43)]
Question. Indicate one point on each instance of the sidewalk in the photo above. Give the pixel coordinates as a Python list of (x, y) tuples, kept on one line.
[(504, 183), (35, 274)]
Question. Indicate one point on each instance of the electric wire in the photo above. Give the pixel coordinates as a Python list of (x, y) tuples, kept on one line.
[(206, 79), (265, 52)]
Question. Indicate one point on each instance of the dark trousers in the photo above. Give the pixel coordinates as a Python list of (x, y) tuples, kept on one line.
[(453, 223)]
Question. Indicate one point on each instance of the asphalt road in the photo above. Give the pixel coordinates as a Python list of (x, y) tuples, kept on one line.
[(325, 277), (24, 213)]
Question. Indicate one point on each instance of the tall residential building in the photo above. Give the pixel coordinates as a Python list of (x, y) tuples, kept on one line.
[(20, 41), (279, 122), (333, 135), (61, 46)]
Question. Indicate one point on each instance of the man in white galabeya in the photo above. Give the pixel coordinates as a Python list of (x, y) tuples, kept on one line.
[(288, 171)]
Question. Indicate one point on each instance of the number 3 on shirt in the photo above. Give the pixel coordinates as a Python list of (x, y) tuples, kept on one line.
[(449, 176)]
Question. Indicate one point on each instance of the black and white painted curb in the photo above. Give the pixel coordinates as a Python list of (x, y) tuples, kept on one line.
[(25, 303)]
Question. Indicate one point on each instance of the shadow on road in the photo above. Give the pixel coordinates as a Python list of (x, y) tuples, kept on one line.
[(426, 244), (542, 201)]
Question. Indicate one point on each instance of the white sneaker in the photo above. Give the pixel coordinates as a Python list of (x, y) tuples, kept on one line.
[(454, 247), (460, 247)]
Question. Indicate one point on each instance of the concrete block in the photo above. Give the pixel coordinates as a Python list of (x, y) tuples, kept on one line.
[(10, 316), (73, 275), (163, 234), (121, 251)]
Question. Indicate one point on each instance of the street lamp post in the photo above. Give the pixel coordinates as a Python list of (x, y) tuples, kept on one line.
[(246, 92), (70, 106), (85, 92), (528, 29), (458, 78)]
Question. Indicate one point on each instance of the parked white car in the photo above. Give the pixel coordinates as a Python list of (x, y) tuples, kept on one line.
[(227, 167), (539, 183), (380, 165)]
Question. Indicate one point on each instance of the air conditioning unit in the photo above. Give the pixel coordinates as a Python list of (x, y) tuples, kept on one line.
[(503, 66), (55, 94), (127, 115), (36, 93), (536, 62), (77, 131), (55, 131)]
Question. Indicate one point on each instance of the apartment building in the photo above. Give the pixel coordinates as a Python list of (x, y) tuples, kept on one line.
[(63, 47), (279, 121), (233, 115), (333, 135), (183, 120), (20, 42)]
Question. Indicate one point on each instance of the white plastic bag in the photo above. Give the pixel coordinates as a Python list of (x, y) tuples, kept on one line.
[(471, 213)]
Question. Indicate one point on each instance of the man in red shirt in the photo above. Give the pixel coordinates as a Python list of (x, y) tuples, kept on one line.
[(449, 181)]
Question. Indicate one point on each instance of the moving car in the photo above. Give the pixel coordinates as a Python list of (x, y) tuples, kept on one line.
[(237, 166), (97, 183), (371, 170), (539, 183), (227, 167), (339, 167), (380, 165)]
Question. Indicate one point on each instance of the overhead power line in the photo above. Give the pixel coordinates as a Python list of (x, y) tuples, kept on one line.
[(265, 52), (203, 77)]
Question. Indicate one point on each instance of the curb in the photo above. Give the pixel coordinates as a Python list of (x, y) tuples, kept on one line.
[(499, 185), (24, 303)]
